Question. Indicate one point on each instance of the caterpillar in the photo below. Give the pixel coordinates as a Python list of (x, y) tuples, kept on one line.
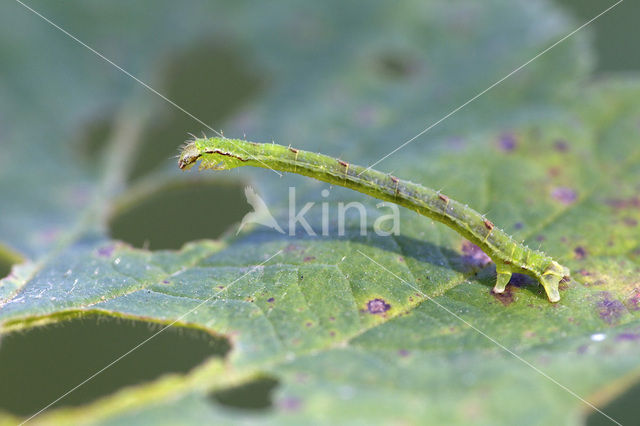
[(508, 255)]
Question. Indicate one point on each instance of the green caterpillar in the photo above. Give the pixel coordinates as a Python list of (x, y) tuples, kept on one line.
[(508, 255)]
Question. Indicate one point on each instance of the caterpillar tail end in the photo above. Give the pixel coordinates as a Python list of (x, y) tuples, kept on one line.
[(551, 279)]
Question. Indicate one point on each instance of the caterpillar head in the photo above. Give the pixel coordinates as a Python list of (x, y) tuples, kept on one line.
[(214, 153), (189, 155)]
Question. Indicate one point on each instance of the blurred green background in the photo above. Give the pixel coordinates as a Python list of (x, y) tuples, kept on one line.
[(150, 222)]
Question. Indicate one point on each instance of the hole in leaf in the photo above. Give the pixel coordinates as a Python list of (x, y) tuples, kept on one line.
[(8, 258), (171, 216), (211, 81), (5, 267), (42, 363), (253, 395), (624, 409), (611, 34)]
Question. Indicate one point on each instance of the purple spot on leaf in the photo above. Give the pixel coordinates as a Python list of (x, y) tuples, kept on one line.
[(289, 404), (106, 251), (610, 310), (564, 195), (628, 336), (507, 142), (561, 146), (378, 306)]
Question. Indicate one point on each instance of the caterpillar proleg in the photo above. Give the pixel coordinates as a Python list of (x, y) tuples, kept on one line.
[(509, 255)]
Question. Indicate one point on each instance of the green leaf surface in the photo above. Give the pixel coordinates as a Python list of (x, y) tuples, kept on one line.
[(552, 156)]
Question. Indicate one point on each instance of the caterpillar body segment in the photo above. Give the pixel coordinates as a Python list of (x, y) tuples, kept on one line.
[(509, 255)]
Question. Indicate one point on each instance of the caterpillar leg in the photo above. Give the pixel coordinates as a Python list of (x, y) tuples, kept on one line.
[(551, 278), (550, 284), (504, 275)]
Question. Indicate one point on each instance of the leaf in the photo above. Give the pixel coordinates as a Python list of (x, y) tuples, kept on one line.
[(550, 156)]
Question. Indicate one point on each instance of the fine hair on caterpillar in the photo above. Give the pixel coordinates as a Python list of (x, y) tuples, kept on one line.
[(508, 255)]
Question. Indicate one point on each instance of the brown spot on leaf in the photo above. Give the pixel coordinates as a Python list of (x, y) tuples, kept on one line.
[(505, 298), (580, 252), (563, 285), (626, 203), (308, 258), (378, 306), (397, 64), (554, 171), (594, 283), (291, 248), (564, 195), (630, 222)]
